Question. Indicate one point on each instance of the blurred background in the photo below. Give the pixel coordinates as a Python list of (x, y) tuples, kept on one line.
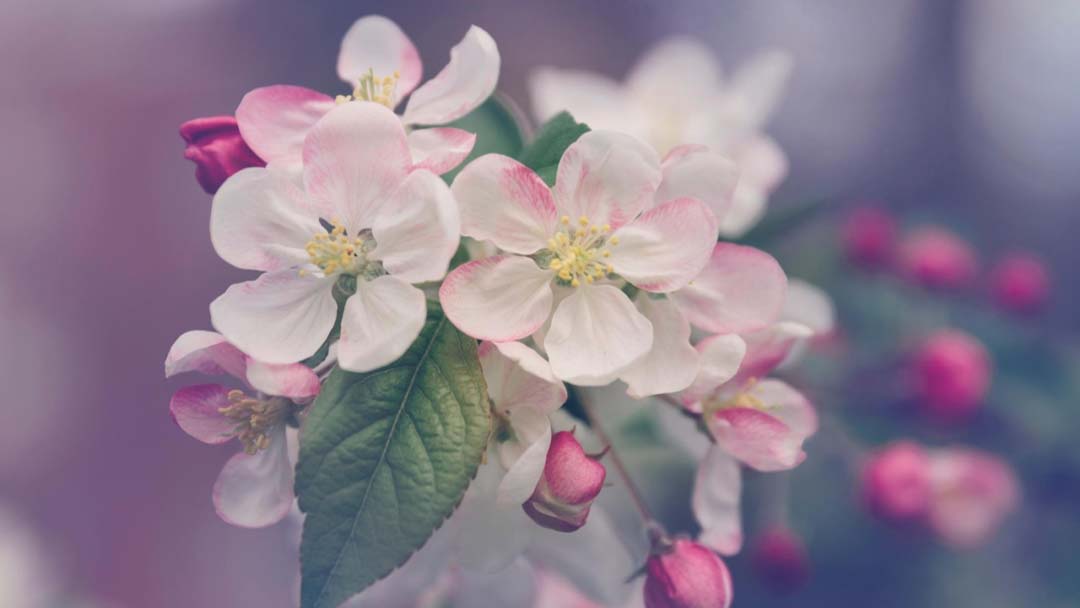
[(960, 113)]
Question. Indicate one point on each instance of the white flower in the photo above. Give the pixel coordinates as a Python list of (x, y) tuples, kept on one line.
[(359, 212), (379, 61), (675, 95)]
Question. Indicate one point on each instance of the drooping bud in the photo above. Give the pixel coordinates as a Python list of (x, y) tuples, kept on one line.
[(780, 559), (215, 146), (951, 373), (936, 258), (869, 235), (685, 574), (896, 482), (1020, 283), (571, 481)]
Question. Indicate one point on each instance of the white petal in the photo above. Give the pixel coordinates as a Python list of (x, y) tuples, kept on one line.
[(292, 380), (760, 83), (381, 320), (672, 363), (747, 207), (679, 75), (667, 246), (502, 298), (809, 305), (281, 317), (256, 491), (715, 502), (517, 376), (721, 358), (440, 150), (787, 404), (416, 231), (761, 162), (505, 202), (275, 120), (596, 333), (206, 352), (259, 221), (697, 172), (461, 86), (354, 158), (592, 99), (376, 43), (490, 536), (532, 433), (607, 177), (741, 289)]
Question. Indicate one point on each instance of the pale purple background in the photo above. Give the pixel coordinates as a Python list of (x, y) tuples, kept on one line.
[(965, 110)]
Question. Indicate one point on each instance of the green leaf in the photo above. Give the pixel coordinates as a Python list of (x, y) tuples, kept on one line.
[(554, 137), (497, 132), (385, 458)]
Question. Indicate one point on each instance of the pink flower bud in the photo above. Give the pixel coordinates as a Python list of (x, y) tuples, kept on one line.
[(936, 258), (685, 574), (869, 235), (571, 481), (951, 372), (215, 146), (780, 559), (1020, 283), (896, 482)]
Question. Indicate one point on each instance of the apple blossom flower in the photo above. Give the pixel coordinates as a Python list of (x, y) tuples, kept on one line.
[(360, 218), (675, 95), (571, 481), (868, 237), (951, 372), (1020, 283), (972, 492), (685, 574), (384, 67), (215, 146), (608, 220), (779, 558), (254, 488), (937, 258), (895, 482)]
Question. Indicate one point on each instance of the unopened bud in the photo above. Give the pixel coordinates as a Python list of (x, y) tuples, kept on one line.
[(1020, 283), (869, 235), (936, 258), (571, 481), (779, 558), (951, 372), (215, 146), (685, 574), (896, 482)]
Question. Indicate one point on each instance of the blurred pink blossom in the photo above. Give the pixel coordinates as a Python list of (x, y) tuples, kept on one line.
[(951, 373), (1020, 283)]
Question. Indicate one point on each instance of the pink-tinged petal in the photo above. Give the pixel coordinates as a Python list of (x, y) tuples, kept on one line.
[(256, 491), (465, 83), (206, 352), (747, 208), (259, 220), (593, 99), (756, 438), (694, 171), (377, 44), (761, 163), (672, 363), (973, 492), (606, 177), (274, 121), (354, 158), (292, 380), (501, 298), (505, 202), (666, 247), (381, 320), (518, 377), (595, 333), (809, 305), (679, 75), (720, 359), (417, 230), (741, 289), (440, 150), (715, 502), (523, 456), (197, 410), (768, 348), (788, 405), (281, 317), (759, 84)]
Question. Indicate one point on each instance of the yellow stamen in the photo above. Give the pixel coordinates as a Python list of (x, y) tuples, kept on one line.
[(577, 250), (255, 418)]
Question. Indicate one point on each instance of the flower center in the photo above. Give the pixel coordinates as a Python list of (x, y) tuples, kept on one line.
[(579, 252), (335, 252), (374, 88), (255, 418), (742, 399)]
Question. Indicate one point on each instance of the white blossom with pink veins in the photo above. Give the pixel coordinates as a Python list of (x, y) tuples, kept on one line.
[(379, 61), (254, 488), (677, 95), (360, 211), (615, 215)]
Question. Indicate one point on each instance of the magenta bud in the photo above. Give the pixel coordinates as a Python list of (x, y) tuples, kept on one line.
[(869, 235), (952, 373), (780, 559), (896, 482), (684, 574), (571, 481), (1020, 283), (936, 258), (215, 146)]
